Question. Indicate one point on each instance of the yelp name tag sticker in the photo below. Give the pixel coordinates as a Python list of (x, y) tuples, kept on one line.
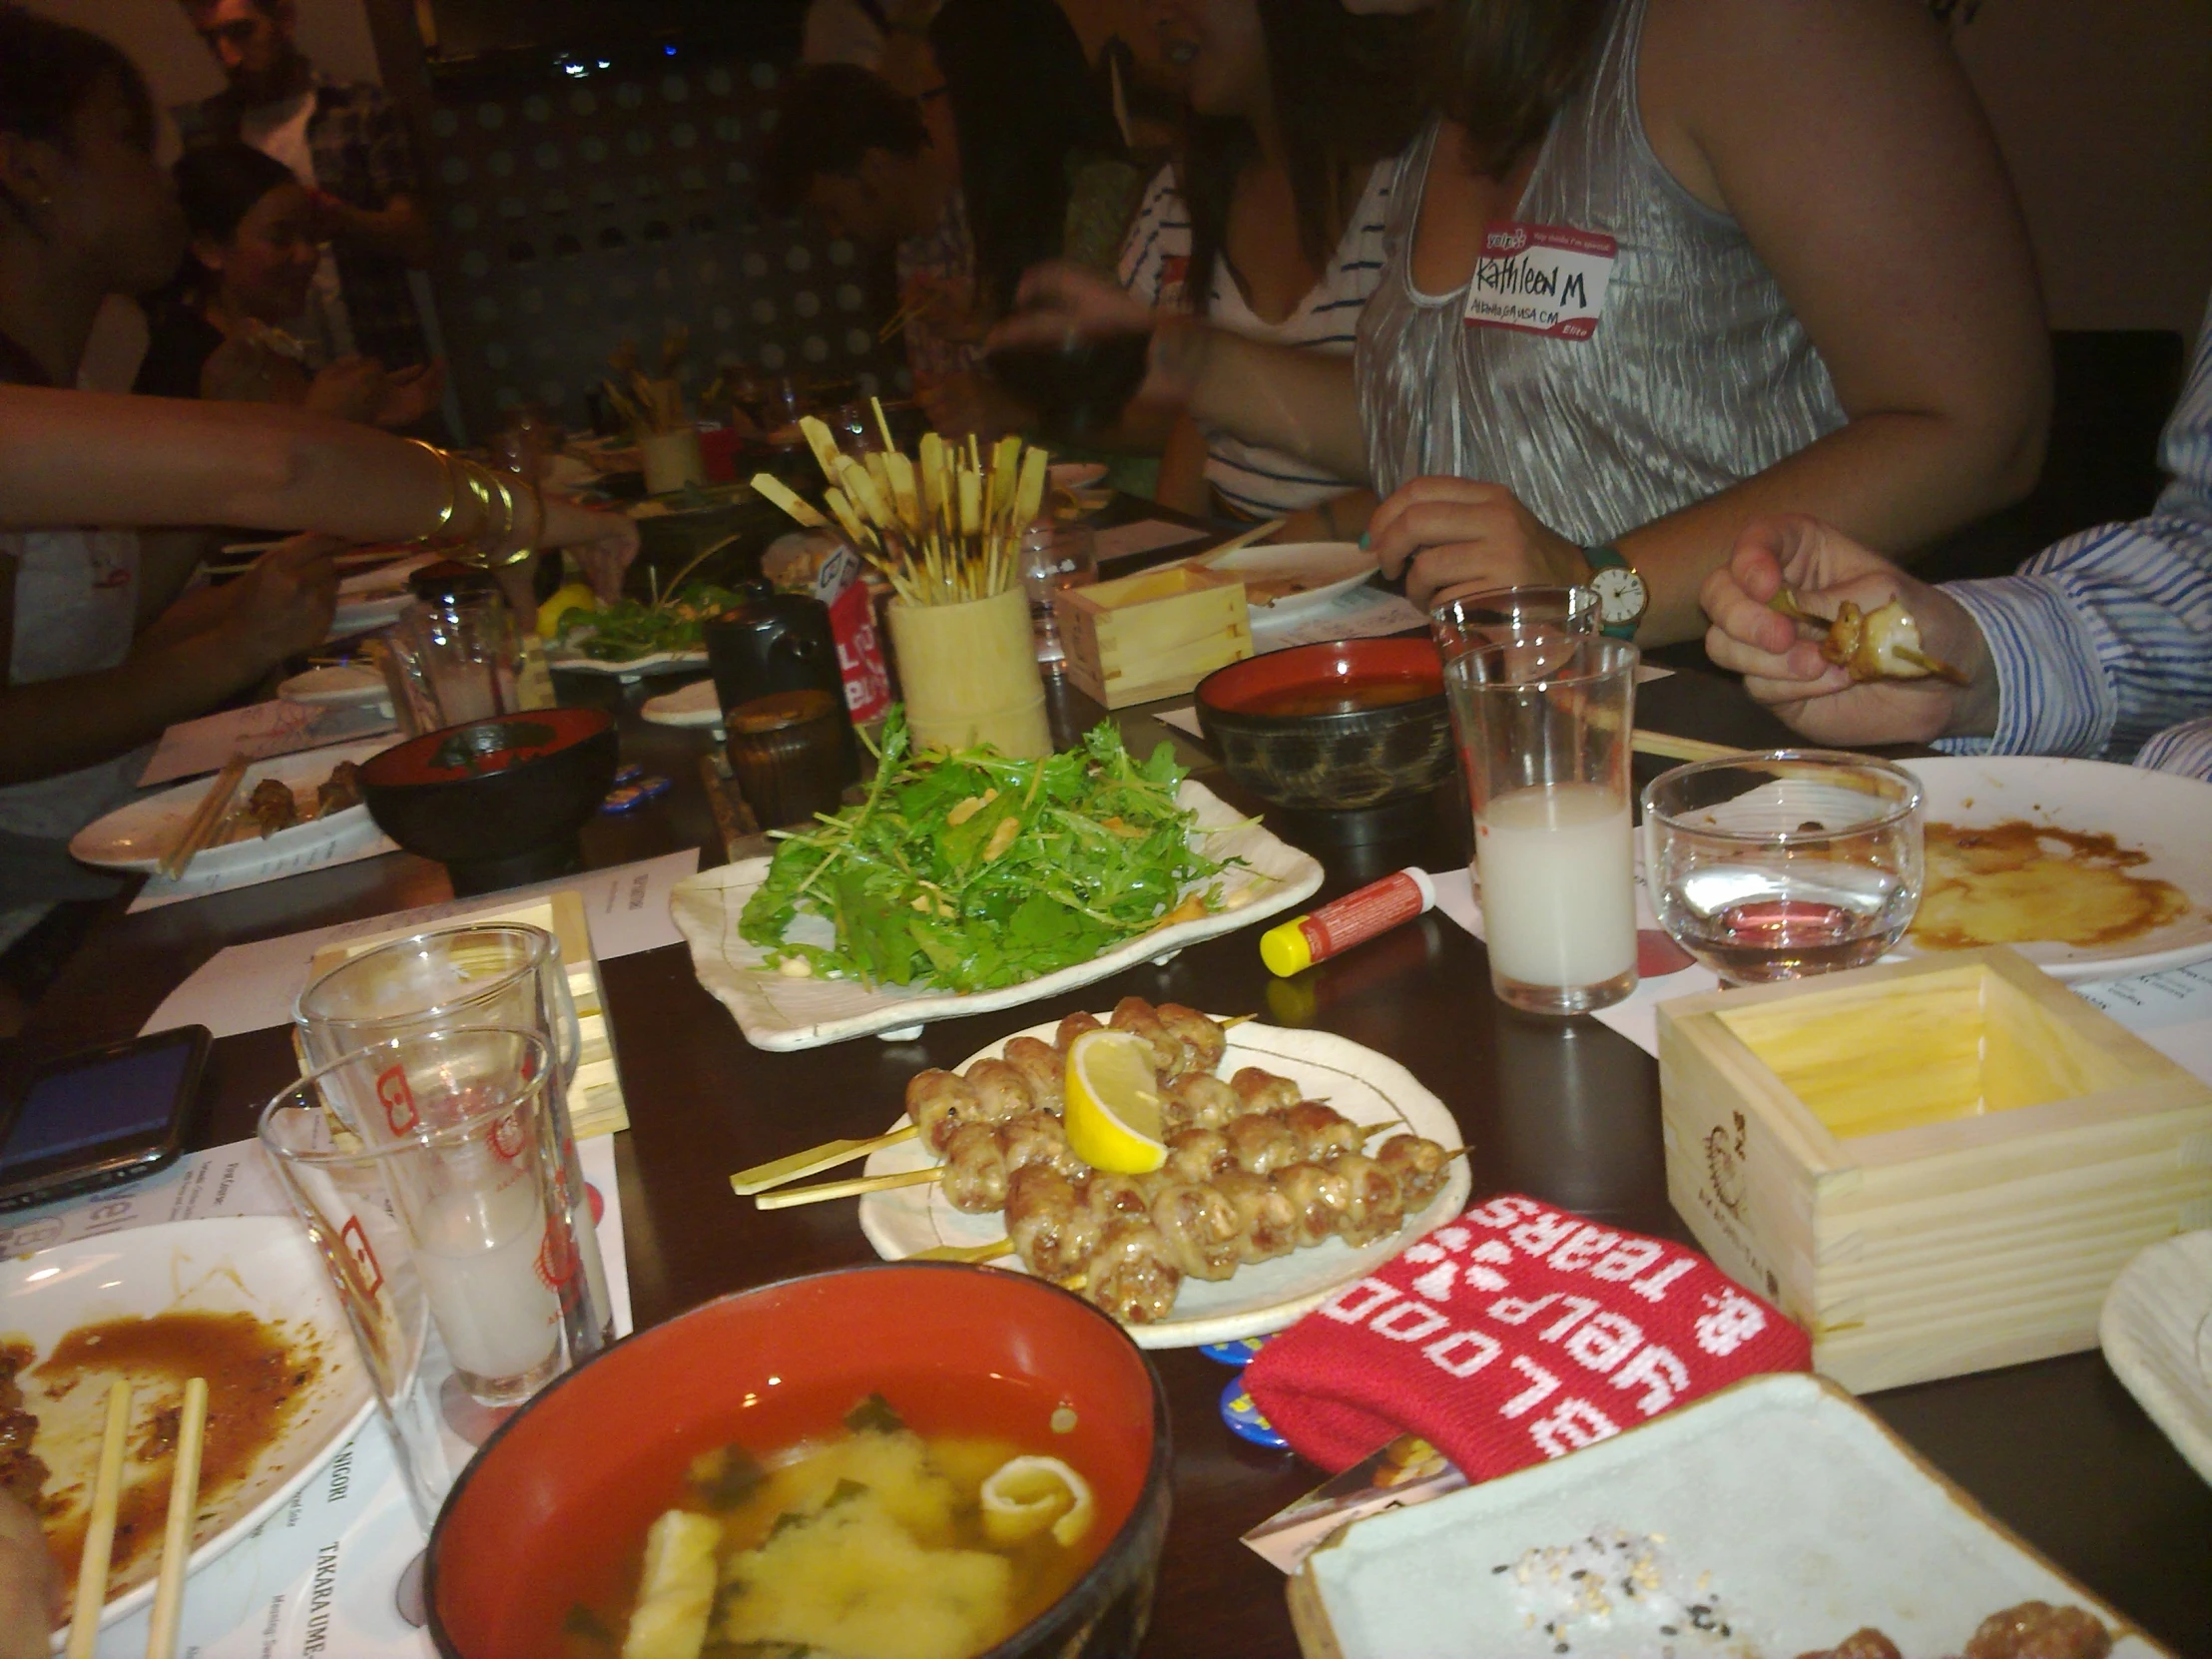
[(1541, 280)]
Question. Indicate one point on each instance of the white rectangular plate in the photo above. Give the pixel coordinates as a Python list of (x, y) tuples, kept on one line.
[(1780, 1503), (779, 1013)]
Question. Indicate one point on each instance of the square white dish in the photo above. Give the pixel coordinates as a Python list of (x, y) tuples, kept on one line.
[(780, 1013), (1783, 1506)]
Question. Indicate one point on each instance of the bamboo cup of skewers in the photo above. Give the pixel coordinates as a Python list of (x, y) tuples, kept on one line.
[(944, 530), (652, 406)]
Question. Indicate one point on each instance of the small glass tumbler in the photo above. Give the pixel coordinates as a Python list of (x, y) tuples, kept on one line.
[(1461, 619), (455, 1262), (486, 973), (1776, 866), (1543, 725), (452, 661), (1054, 556)]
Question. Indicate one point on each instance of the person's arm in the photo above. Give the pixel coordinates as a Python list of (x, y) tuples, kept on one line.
[(400, 229), (1182, 483), (1844, 140), (284, 605), (1341, 518), (31, 1585), (1284, 397), (78, 458)]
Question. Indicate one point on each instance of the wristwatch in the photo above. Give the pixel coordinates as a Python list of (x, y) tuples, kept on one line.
[(1622, 597)]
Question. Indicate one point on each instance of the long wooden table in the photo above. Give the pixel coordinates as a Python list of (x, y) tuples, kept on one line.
[(1567, 1111)]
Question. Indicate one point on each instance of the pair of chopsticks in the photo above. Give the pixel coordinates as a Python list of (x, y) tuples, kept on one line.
[(107, 1496), (207, 817)]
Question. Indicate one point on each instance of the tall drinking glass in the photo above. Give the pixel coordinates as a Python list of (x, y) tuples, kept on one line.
[(452, 661), (453, 1254), (1543, 730), (1777, 865), (1463, 618), (486, 973), (1054, 556)]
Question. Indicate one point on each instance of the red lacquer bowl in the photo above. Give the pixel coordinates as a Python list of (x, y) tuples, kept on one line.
[(1307, 728), (565, 1491)]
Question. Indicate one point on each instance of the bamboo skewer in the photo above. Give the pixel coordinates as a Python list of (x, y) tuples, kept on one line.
[(107, 1495), (813, 1160), (1236, 543), (183, 1504), (207, 817), (864, 1184), (1681, 749)]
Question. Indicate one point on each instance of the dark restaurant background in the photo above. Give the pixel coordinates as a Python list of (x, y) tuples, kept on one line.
[(587, 165)]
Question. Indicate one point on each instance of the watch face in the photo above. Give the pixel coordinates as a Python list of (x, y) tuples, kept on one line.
[(1620, 594)]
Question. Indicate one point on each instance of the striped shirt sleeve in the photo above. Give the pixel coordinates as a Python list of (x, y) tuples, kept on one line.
[(2104, 640), (1156, 253)]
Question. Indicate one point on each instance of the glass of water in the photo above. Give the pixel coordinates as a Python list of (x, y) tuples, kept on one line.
[(1777, 865), (1054, 556)]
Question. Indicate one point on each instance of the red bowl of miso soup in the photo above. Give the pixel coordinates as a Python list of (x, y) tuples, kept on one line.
[(911, 1460)]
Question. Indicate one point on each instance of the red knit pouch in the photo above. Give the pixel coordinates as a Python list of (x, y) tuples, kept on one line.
[(1514, 1333)]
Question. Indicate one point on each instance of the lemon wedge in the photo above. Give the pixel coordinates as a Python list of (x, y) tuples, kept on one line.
[(577, 596), (1027, 1494), (1113, 1103)]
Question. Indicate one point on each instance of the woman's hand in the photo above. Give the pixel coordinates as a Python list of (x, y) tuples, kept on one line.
[(1785, 670), (31, 1589), (284, 604), (1456, 533), (604, 543), (411, 393), (352, 388), (1060, 304), (948, 304)]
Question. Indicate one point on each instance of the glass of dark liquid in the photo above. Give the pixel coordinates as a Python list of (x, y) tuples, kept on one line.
[(1077, 386)]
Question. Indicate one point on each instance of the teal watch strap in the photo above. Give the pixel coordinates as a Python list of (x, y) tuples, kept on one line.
[(1607, 557)]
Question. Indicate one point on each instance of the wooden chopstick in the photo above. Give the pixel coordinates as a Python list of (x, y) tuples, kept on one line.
[(206, 818), (1682, 749), (813, 1160), (898, 320), (183, 1504), (107, 1494), (963, 1252), (849, 1189), (1243, 539)]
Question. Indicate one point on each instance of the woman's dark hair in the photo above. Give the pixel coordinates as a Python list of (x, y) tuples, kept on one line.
[(1345, 95), (1028, 112), (831, 114), (1511, 65), (220, 183), (48, 70)]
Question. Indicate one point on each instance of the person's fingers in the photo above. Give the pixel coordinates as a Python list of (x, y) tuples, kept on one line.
[(1479, 566), (1798, 664), (1735, 613), (1436, 524)]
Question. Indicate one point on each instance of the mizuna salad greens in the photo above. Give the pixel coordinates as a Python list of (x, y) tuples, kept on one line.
[(971, 871)]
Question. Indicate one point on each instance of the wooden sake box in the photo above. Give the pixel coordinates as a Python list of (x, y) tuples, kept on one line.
[(1151, 635), (1936, 1167)]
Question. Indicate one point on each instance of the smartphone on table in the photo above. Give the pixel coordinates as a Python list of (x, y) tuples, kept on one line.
[(102, 1116)]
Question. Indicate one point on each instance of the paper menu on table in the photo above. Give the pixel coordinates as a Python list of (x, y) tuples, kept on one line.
[(257, 731), (251, 987), (351, 849)]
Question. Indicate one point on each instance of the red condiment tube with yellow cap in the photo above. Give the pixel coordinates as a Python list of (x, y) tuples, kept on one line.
[(1343, 922)]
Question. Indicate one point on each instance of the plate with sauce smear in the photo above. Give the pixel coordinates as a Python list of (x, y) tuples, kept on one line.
[(2090, 870), (241, 1301)]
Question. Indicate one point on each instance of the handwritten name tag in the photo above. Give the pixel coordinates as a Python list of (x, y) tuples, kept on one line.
[(1542, 279)]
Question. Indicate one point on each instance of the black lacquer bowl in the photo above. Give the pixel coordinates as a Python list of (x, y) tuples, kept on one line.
[(1338, 727), (497, 801)]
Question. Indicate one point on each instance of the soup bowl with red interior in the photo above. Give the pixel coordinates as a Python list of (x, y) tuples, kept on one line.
[(551, 1515), (1337, 727), (497, 801)]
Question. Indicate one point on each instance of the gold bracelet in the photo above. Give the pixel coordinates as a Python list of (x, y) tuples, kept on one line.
[(495, 510), (453, 495)]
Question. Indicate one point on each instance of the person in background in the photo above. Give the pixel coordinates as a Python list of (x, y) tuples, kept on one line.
[(1659, 267), (346, 144), (1271, 224), (101, 644), (993, 167), (888, 38), (2101, 645), (219, 330)]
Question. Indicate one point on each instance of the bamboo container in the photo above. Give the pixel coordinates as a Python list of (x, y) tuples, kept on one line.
[(670, 459), (969, 675), (1936, 1166)]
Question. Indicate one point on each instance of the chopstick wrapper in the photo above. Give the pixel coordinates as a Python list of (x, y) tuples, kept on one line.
[(1516, 1333)]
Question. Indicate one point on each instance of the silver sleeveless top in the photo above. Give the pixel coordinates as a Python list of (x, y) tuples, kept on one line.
[(1698, 375)]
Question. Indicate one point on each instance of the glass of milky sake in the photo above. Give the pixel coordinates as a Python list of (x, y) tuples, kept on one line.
[(449, 1247), (1543, 724)]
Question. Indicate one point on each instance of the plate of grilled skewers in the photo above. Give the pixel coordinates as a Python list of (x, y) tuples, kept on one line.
[(1296, 1163)]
